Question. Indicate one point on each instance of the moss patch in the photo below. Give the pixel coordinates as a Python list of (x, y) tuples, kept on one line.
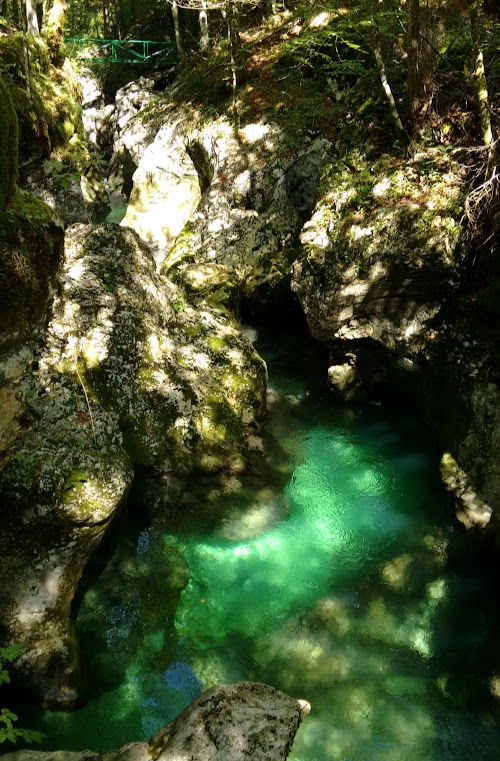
[(9, 138), (388, 209), (31, 241), (49, 111)]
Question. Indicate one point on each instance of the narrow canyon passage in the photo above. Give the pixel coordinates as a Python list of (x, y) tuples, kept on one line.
[(336, 579)]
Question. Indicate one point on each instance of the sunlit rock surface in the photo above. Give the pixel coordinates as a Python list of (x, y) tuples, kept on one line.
[(253, 206), (65, 197), (235, 722), (378, 254), (96, 114), (166, 189), (130, 372), (231, 722), (208, 193), (187, 386)]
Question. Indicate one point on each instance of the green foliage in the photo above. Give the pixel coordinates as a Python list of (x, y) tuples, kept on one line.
[(9, 137), (48, 105), (150, 19), (60, 172), (30, 245), (8, 732)]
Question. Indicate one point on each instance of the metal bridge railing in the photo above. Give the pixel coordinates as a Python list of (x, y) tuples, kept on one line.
[(122, 51)]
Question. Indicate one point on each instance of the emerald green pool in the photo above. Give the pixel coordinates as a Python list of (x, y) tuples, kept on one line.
[(337, 578)]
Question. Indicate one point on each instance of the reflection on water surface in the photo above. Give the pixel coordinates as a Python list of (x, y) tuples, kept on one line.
[(337, 579)]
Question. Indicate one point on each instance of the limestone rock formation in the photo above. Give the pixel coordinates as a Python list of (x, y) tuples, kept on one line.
[(187, 387), (378, 257), (166, 189), (206, 193), (235, 722), (63, 475), (66, 197), (381, 283)]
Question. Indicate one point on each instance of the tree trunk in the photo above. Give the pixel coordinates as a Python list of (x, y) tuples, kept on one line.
[(387, 89), (15, 12), (234, 39), (54, 27), (204, 36), (26, 55), (31, 17), (479, 73), (415, 85), (177, 30), (105, 13)]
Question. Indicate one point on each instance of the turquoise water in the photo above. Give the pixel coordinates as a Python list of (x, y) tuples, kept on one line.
[(333, 575)]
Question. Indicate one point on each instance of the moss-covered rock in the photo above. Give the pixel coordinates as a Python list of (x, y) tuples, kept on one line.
[(61, 481), (378, 260), (187, 386), (31, 245), (9, 139), (49, 111)]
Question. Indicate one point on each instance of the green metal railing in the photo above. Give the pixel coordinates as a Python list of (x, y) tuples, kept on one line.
[(122, 51)]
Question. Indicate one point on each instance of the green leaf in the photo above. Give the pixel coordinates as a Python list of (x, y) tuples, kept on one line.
[(32, 735), (15, 649), (10, 714)]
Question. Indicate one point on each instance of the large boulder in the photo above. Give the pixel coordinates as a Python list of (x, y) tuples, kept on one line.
[(204, 192), (166, 189), (236, 722), (130, 373), (256, 197), (65, 193), (187, 386), (378, 256), (97, 115)]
